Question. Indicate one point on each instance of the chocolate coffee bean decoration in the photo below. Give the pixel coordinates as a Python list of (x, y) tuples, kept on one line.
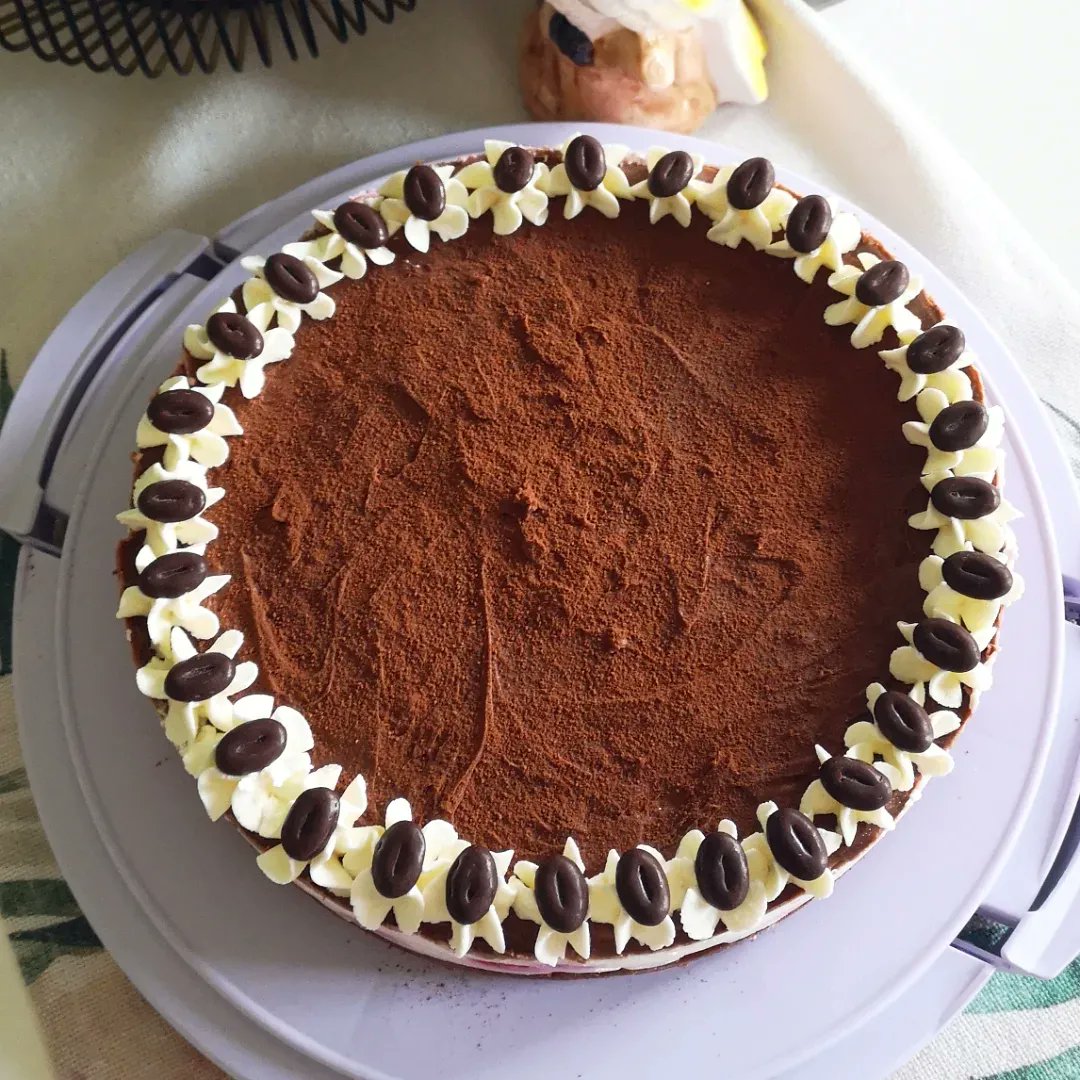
[(723, 875), (796, 844), (234, 335), (514, 169), (965, 497), (671, 174), (398, 859), (959, 426), (360, 224), (855, 784), (199, 677), (310, 823), (471, 885), (562, 894), (904, 722), (946, 644), (425, 193), (291, 279), (883, 283), (250, 747), (586, 163), (809, 223), (749, 185), (982, 577), (170, 501), (936, 349), (173, 575), (180, 412), (642, 887)]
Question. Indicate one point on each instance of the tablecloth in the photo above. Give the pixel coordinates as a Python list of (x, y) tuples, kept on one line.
[(92, 166)]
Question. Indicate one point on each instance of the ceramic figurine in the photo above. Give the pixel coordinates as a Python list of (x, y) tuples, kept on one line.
[(657, 63)]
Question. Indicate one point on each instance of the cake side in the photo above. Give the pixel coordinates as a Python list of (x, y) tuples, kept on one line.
[(876, 769)]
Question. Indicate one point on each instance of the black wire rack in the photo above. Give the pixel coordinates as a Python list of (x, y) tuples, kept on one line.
[(155, 36)]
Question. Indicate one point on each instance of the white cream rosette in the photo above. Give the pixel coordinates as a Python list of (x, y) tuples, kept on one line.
[(263, 303), (698, 917), (606, 907), (990, 534), (983, 459), (731, 226), (776, 877), (508, 208), (679, 206), (184, 718), (551, 944), (870, 322), (221, 369), (332, 245), (216, 788), (944, 602), (162, 614), (451, 224), (604, 198), (843, 236), (951, 381), (816, 801), (369, 905), (205, 447), (325, 869), (865, 741), (926, 679), (489, 926), (165, 536)]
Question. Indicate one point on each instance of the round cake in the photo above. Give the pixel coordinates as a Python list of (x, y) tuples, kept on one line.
[(568, 561)]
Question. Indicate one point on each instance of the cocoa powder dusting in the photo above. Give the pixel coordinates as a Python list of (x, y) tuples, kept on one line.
[(593, 530)]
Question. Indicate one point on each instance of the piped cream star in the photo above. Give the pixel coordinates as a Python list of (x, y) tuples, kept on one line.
[(325, 869), (508, 209), (489, 926), (865, 742), (816, 801), (332, 245), (952, 381), (369, 905), (216, 789), (451, 224), (165, 536), (698, 917), (731, 226), (606, 907), (551, 944), (184, 718), (205, 447), (924, 677), (221, 369), (982, 460), (164, 613), (679, 206), (944, 602), (870, 322), (776, 877), (843, 236), (990, 534), (604, 198), (262, 302)]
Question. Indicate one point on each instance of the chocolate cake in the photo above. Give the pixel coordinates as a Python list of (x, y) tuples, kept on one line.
[(539, 564)]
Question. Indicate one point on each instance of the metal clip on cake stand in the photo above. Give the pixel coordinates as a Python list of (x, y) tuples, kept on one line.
[(58, 413)]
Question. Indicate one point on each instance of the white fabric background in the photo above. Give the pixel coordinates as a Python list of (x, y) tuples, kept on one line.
[(93, 165)]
